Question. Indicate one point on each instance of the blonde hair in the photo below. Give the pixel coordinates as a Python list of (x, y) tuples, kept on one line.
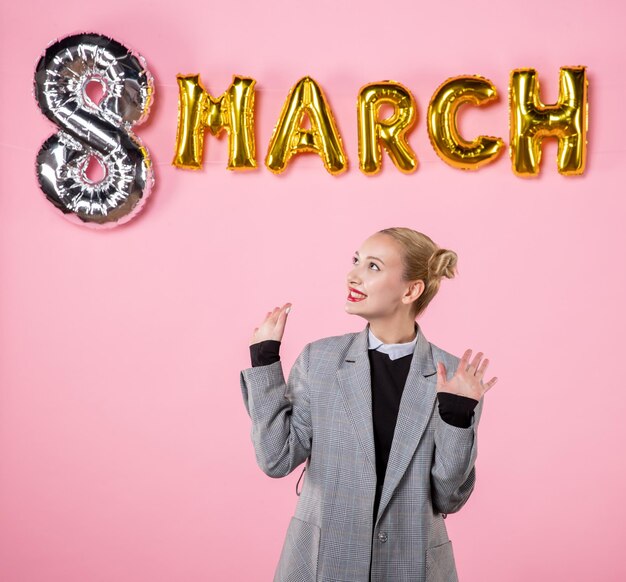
[(423, 259)]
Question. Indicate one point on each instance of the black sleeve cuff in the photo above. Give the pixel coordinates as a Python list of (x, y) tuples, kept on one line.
[(456, 410), (265, 352)]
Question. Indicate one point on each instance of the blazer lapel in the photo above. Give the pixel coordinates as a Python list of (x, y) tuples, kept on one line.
[(356, 388), (416, 406)]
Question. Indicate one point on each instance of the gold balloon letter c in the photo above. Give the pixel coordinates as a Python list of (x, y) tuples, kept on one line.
[(442, 127)]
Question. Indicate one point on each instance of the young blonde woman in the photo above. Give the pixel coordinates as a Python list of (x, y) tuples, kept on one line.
[(385, 420)]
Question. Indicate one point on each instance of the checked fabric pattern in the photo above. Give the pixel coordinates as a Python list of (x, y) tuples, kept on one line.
[(322, 416)]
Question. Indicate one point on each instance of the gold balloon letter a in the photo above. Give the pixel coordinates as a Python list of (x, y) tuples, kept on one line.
[(391, 131), (290, 138), (442, 128), (232, 111), (531, 121)]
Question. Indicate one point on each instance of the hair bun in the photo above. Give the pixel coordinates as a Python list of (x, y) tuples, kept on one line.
[(442, 263)]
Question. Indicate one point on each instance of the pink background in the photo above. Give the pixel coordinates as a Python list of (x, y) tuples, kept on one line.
[(125, 451)]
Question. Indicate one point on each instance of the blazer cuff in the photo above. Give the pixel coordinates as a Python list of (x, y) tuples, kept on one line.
[(257, 382)]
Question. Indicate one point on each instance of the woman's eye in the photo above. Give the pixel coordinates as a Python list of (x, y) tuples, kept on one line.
[(355, 259)]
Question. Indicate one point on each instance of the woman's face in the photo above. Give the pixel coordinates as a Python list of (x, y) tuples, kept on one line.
[(377, 273)]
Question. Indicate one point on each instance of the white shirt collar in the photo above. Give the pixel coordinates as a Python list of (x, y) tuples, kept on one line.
[(394, 351)]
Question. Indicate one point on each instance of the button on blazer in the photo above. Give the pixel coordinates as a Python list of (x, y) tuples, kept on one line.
[(323, 416)]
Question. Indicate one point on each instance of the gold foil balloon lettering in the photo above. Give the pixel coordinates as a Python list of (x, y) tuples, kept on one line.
[(442, 127), (233, 111), (531, 121), (290, 138), (390, 132)]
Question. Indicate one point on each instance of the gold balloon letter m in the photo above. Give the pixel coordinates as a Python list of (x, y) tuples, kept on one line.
[(531, 121), (198, 111)]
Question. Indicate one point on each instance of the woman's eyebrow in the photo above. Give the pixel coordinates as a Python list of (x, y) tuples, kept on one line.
[(370, 257)]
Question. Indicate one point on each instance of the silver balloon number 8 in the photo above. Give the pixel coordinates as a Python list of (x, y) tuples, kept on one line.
[(94, 130)]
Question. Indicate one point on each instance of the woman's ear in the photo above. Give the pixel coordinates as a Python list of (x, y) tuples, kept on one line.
[(416, 289)]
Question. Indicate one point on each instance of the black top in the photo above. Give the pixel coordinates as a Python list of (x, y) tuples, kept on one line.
[(388, 380)]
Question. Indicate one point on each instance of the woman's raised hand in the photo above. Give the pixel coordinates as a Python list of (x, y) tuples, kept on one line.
[(273, 326), (468, 379)]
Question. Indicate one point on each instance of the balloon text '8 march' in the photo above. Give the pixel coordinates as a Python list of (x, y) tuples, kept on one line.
[(103, 130)]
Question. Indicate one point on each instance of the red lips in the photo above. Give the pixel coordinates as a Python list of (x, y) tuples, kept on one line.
[(355, 299)]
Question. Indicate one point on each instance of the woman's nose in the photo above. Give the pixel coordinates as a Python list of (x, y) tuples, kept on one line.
[(353, 277)]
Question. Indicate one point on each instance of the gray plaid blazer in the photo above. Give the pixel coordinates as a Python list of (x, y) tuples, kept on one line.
[(323, 415)]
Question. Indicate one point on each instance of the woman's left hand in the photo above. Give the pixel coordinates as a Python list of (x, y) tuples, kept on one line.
[(468, 379)]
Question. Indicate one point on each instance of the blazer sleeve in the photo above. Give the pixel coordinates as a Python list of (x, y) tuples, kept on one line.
[(281, 414), (453, 472)]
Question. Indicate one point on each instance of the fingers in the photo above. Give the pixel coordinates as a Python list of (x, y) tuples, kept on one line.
[(481, 371), (472, 367), (475, 369), (490, 383), (273, 326), (279, 313), (281, 318), (274, 313), (463, 363)]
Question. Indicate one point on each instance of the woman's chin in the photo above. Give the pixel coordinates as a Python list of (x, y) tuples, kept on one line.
[(353, 308)]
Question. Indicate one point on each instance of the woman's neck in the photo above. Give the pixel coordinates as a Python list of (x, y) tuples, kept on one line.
[(393, 332)]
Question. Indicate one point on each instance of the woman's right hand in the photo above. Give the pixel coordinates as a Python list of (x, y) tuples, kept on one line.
[(273, 326)]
